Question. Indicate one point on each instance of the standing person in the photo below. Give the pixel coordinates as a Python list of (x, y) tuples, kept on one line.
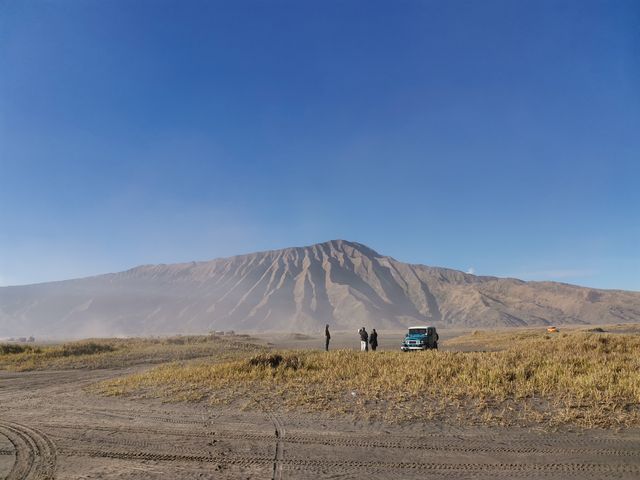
[(373, 340), (327, 337), (364, 340)]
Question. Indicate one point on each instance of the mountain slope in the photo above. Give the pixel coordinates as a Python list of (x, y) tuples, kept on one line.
[(345, 284)]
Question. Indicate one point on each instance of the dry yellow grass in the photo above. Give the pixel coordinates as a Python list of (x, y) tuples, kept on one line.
[(581, 378), (113, 353), (491, 340)]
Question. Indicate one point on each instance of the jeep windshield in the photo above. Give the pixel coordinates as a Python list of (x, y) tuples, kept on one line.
[(417, 331)]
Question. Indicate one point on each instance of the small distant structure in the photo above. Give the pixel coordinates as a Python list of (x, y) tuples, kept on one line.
[(552, 330), (31, 339), (230, 332)]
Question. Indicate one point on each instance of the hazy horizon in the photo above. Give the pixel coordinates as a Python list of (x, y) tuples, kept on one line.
[(558, 274)]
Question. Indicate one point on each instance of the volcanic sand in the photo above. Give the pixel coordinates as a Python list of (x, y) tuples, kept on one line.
[(50, 427)]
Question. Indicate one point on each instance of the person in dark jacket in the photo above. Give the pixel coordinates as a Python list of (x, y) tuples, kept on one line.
[(327, 337), (373, 340), (364, 340)]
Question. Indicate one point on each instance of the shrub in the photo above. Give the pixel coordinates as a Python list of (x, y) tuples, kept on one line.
[(11, 348), (275, 360), (85, 348)]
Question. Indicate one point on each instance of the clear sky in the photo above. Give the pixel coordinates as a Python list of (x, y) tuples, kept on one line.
[(500, 137)]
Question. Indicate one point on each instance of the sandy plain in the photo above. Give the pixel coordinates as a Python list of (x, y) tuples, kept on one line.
[(51, 427)]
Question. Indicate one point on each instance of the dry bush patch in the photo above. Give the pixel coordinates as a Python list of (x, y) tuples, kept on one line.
[(628, 328), (578, 378), (114, 353)]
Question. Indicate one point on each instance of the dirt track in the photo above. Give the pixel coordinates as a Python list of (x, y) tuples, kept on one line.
[(51, 428)]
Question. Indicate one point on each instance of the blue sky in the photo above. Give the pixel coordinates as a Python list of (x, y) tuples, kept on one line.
[(497, 136)]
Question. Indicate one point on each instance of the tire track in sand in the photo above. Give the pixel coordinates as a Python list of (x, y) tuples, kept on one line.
[(279, 456), (371, 466), (428, 444), (35, 452)]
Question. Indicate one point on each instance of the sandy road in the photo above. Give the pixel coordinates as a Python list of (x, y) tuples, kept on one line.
[(50, 428)]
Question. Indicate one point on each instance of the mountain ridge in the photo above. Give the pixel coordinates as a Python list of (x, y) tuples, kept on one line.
[(346, 284)]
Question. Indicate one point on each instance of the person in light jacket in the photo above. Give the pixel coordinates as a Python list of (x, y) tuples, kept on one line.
[(364, 340)]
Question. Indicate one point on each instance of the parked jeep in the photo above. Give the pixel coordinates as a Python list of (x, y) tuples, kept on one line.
[(420, 338)]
